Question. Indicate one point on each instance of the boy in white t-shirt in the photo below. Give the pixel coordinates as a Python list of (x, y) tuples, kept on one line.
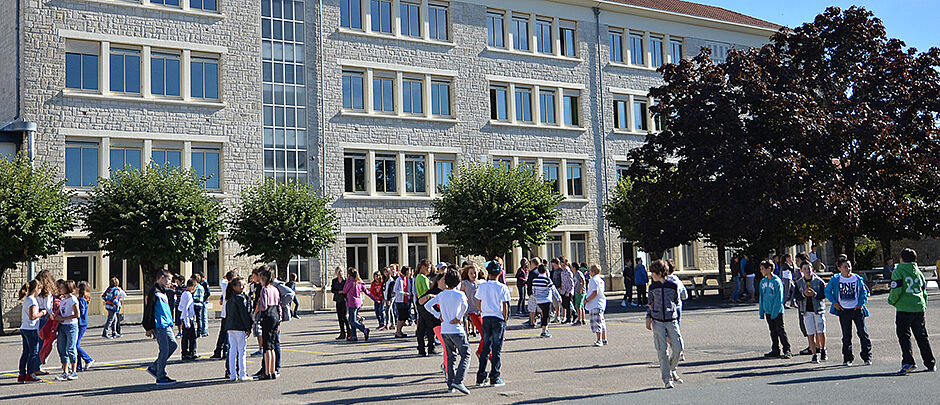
[(596, 304), (494, 305), (453, 305)]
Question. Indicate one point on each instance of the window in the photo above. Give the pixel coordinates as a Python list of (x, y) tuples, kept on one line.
[(124, 158), (412, 96), (499, 109), (205, 77), (494, 29), (688, 256), (381, 13), (622, 171), (440, 98), (382, 95), (355, 171), (206, 164), (125, 70), (640, 121), (550, 174), (357, 255), (387, 250), (503, 162), (530, 164), (656, 51), (443, 170), (575, 182), (417, 249), (165, 74), (520, 32), (415, 174), (165, 157), (283, 92), (81, 164), (543, 35), (616, 46), (571, 110), (166, 2), (523, 104), (127, 271), (350, 14), (719, 51), (578, 247), (410, 23), (208, 265), (437, 22), (636, 48), (547, 106), (620, 114), (385, 180), (352, 91), (203, 5), (553, 245), (81, 67), (566, 34), (675, 51)]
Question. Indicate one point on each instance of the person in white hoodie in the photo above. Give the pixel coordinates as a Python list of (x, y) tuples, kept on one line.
[(188, 321)]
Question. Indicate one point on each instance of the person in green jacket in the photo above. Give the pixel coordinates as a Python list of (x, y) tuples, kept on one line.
[(909, 296)]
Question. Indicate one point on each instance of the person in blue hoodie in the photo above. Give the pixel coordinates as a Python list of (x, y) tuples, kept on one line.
[(771, 309), (157, 321), (640, 278), (848, 295)]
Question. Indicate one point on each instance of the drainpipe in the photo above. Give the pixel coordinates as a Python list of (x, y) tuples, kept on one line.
[(322, 107), (603, 135)]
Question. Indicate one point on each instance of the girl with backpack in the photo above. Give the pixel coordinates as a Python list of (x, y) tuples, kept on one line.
[(113, 297)]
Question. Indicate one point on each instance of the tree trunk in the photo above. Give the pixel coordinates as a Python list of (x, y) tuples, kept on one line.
[(850, 248), (721, 270), (3, 272), (282, 266), (150, 274), (885, 250)]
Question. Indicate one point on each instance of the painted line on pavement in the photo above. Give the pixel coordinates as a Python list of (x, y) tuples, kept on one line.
[(17, 375)]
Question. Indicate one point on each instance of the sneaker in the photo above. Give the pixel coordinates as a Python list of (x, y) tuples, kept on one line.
[(670, 385), (815, 359), (847, 363), (822, 355), (62, 377), (675, 377), (931, 368), (245, 378), (634, 304), (604, 342), (20, 378), (166, 381), (771, 355), (73, 376), (257, 353), (906, 368), (462, 388), (481, 382), (40, 372), (264, 377), (152, 372), (366, 333), (545, 335), (451, 390), (786, 355), (117, 336), (623, 304), (598, 343), (682, 356), (868, 362), (88, 364), (30, 378), (498, 382), (806, 352)]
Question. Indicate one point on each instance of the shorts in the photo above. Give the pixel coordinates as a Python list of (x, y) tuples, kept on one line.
[(578, 301), (533, 306), (815, 323), (403, 309), (268, 333), (598, 324)]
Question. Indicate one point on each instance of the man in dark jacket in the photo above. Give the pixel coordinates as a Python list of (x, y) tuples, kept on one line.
[(158, 322)]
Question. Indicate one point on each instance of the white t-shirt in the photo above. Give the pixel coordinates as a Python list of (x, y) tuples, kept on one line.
[(66, 307), (786, 275), (45, 302), (600, 301), (224, 284), (453, 304), (27, 324), (492, 294), (848, 292)]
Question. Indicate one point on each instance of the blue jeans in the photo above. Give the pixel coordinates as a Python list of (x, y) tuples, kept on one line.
[(380, 313), (78, 345), (353, 314), (202, 322), (29, 360), (492, 340), (736, 294), (456, 344), (68, 336), (166, 340)]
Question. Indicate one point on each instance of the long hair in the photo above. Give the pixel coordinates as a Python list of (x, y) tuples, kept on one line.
[(352, 273), (230, 289), (84, 290), (659, 267), (29, 288), (47, 282)]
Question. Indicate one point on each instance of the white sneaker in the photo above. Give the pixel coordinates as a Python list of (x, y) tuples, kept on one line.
[(246, 378), (73, 376), (675, 377), (88, 365), (670, 385), (598, 343), (62, 377)]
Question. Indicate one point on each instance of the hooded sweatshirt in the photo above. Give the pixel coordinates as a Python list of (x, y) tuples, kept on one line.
[(908, 288)]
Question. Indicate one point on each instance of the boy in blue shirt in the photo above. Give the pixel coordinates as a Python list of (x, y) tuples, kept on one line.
[(158, 322), (848, 295), (771, 308)]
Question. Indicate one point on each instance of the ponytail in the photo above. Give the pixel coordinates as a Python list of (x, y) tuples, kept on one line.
[(28, 288)]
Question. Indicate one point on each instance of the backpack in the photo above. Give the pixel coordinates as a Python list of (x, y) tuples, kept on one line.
[(390, 289)]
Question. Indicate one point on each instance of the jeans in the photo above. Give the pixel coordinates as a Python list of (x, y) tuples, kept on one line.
[(202, 323), (778, 334), (68, 336), (353, 314), (425, 333), (494, 328), (166, 341), (387, 311), (749, 283), (112, 325), (237, 345), (628, 285), (82, 355), (520, 306), (566, 306), (380, 313), (906, 323), (846, 318), (188, 341), (221, 344), (736, 293), (454, 344), (296, 306), (665, 335), (29, 360)]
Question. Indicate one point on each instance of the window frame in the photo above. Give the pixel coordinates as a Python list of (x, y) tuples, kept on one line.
[(125, 52), (385, 158), (205, 59), (352, 75), (637, 58), (521, 21), (206, 151), (435, 10), (412, 160), (350, 160), (493, 40), (409, 101), (414, 22), (523, 104), (441, 102), (377, 19), (571, 107), (564, 28), (575, 184), (547, 106), (378, 92), (547, 174), (495, 110), (616, 48), (657, 57), (543, 26), (640, 125), (347, 9), (93, 148), (439, 166), (85, 51), (164, 56)]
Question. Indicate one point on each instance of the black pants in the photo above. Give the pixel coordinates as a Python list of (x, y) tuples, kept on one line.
[(188, 342), (546, 312), (341, 316), (277, 353), (641, 294), (628, 285), (221, 344), (908, 322), (425, 334), (520, 306), (566, 306), (778, 334), (846, 318)]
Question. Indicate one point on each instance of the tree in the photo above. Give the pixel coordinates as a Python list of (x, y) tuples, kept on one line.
[(278, 221), (35, 213), (154, 217), (648, 212), (487, 210)]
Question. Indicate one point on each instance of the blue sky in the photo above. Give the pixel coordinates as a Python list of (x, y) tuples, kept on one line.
[(916, 22)]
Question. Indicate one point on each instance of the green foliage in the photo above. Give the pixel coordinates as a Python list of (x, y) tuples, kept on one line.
[(278, 221), (866, 251), (487, 210), (649, 211), (155, 217)]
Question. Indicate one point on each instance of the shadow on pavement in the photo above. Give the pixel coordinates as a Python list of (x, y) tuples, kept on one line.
[(437, 394), (372, 377), (580, 397), (124, 389), (593, 367), (778, 371), (832, 378)]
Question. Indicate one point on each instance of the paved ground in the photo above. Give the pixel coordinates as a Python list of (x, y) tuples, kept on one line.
[(724, 347)]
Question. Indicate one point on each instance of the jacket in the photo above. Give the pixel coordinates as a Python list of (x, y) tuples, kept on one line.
[(640, 276), (149, 322), (663, 299), (237, 314), (287, 296), (832, 294), (336, 287), (817, 304), (908, 288), (771, 297)]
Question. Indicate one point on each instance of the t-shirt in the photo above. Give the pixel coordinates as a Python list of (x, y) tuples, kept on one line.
[(67, 308), (848, 292), (223, 284), (83, 312), (596, 283), (453, 305), (27, 324), (491, 295), (578, 282), (542, 289), (422, 284), (269, 297), (470, 289)]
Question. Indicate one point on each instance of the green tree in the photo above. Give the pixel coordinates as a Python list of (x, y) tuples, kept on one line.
[(649, 212), (35, 213), (487, 210), (278, 221), (154, 217)]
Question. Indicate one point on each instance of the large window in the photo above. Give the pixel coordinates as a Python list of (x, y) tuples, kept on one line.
[(417, 249), (205, 77), (547, 106), (352, 91), (124, 158), (636, 48), (166, 157), (571, 110), (412, 96), (499, 107), (550, 174), (125, 70), (543, 35), (204, 5), (719, 51), (381, 14), (284, 96), (165, 73), (357, 255), (553, 245), (688, 256), (387, 250), (575, 181), (494, 29), (410, 23), (523, 104), (443, 170), (437, 21), (620, 114), (81, 164), (566, 33), (440, 98), (656, 51), (209, 267), (520, 32), (81, 67), (206, 163), (616, 46), (622, 171), (640, 122), (355, 171), (578, 247), (350, 14), (385, 173), (126, 271), (675, 50), (415, 174), (383, 95)]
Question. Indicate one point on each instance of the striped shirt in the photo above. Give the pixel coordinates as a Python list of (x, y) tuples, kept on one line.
[(542, 288), (567, 281)]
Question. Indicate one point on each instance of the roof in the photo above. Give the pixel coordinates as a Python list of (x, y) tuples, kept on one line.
[(700, 10)]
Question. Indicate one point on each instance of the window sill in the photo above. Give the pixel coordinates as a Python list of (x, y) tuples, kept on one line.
[(370, 34), (634, 133), (536, 126), (535, 54), (576, 200), (389, 197), (398, 117), (156, 100), (629, 66), (147, 6)]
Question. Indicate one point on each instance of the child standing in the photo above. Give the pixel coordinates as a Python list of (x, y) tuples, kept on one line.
[(521, 274), (545, 293), (84, 294), (848, 295), (377, 288), (596, 305), (426, 321), (771, 308), (238, 323), (640, 279), (354, 289), (494, 305), (67, 317), (188, 320), (113, 297), (909, 296), (453, 305), (292, 284), (203, 318), (661, 318), (809, 293), (29, 331), (578, 300)]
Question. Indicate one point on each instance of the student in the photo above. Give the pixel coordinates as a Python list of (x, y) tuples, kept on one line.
[(544, 292), (468, 285), (596, 305), (494, 301), (771, 308), (567, 291), (786, 275), (339, 299), (29, 331), (67, 317), (627, 283), (48, 327), (426, 321), (453, 306), (403, 299), (199, 304), (268, 310), (848, 295), (661, 318), (909, 296), (238, 325), (354, 289), (292, 284), (683, 294), (188, 319), (221, 344), (84, 295), (801, 258), (422, 282), (640, 280), (204, 318), (113, 298), (377, 289), (810, 295), (521, 274), (532, 305), (157, 321), (577, 300), (391, 276), (888, 269), (173, 298)]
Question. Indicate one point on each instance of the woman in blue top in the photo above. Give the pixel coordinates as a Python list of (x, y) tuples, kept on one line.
[(84, 295)]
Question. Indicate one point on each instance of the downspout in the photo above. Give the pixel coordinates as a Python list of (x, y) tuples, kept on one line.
[(603, 135), (30, 132), (322, 107)]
